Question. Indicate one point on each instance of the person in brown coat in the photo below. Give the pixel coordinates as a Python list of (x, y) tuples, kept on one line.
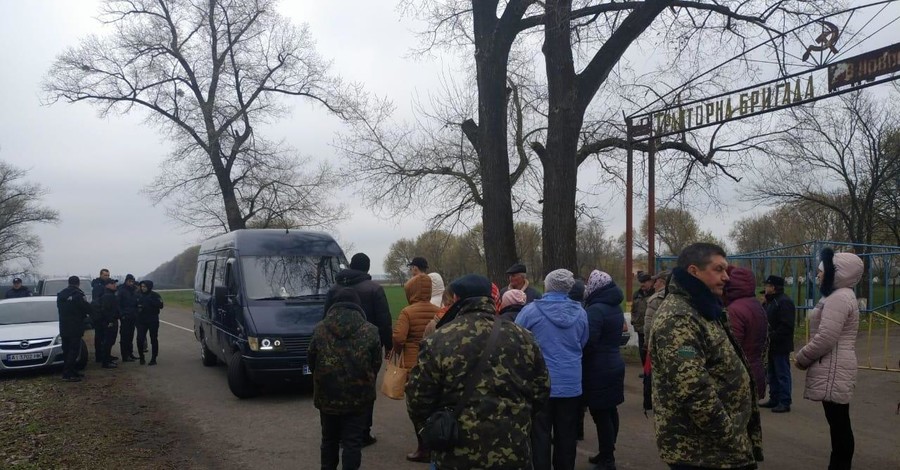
[(408, 333)]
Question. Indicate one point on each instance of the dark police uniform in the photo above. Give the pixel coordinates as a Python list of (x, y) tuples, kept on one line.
[(73, 309), (128, 310), (109, 324), (148, 306)]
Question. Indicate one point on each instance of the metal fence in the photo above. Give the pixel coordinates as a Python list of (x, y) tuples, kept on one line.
[(877, 291)]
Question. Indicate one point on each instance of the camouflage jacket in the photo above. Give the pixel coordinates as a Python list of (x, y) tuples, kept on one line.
[(703, 396), (495, 424), (344, 355)]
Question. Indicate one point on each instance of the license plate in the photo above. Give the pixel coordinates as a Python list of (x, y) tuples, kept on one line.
[(306, 370), (24, 357)]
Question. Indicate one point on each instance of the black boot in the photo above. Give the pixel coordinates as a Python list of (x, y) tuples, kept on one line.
[(152, 361), (142, 360)]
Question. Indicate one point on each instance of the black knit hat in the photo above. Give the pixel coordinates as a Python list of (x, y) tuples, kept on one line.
[(775, 281), (129, 276), (345, 294), (360, 262), (471, 285), (516, 269)]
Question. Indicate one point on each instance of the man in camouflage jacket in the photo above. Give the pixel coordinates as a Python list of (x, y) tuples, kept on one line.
[(344, 356), (703, 395), (495, 423)]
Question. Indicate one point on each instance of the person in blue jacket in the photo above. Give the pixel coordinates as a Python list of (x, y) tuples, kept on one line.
[(604, 370), (560, 326)]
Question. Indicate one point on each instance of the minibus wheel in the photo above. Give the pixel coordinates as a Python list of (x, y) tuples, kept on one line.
[(238, 381)]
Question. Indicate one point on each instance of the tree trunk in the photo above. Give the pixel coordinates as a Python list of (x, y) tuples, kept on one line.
[(493, 154), (232, 210), (560, 161)]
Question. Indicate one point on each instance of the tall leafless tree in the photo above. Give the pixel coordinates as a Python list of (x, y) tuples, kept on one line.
[(841, 158), (20, 210), (493, 29), (209, 73)]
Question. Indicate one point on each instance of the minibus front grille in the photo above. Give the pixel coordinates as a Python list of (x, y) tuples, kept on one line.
[(298, 344)]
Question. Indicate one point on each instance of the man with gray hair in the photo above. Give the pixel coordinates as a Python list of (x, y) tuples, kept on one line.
[(560, 326)]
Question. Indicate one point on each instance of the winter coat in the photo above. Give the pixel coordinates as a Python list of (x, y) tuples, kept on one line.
[(14, 293), (748, 322), (109, 307), (128, 297), (73, 309), (495, 423), (639, 309), (437, 289), (372, 299), (410, 327), (830, 355), (97, 287), (510, 312), (344, 355), (781, 314), (603, 368), (703, 399), (560, 326), (149, 304)]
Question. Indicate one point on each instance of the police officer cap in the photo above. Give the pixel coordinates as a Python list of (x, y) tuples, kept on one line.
[(74, 280), (644, 277), (17, 280), (110, 281), (471, 285), (129, 276), (775, 281), (516, 269)]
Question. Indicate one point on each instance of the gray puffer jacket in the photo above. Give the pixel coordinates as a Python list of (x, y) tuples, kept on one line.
[(830, 355)]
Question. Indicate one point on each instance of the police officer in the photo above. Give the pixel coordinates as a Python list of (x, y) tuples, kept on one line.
[(18, 290), (149, 303), (73, 309), (109, 323), (98, 287), (128, 309)]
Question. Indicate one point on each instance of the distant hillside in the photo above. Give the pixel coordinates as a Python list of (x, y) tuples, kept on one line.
[(178, 273)]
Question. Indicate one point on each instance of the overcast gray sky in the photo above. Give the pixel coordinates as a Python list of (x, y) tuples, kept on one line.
[(94, 169)]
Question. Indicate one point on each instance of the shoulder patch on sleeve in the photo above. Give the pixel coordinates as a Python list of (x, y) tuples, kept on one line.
[(687, 352)]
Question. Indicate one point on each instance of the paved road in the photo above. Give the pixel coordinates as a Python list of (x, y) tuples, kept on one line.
[(281, 429)]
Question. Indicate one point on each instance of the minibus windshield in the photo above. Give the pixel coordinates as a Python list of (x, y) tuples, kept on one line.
[(288, 277)]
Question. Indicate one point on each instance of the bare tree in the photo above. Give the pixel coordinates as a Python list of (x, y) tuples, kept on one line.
[(840, 159), (493, 31), (786, 227), (677, 228), (20, 209), (208, 72)]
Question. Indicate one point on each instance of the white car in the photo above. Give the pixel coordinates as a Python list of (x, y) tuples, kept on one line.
[(29, 335)]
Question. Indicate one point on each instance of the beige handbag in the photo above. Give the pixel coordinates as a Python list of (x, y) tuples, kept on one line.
[(395, 375)]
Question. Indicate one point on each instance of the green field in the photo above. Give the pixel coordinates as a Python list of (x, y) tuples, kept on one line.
[(178, 298), (396, 299)]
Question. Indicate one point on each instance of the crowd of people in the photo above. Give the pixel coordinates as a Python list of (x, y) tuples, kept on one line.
[(113, 312), (501, 378)]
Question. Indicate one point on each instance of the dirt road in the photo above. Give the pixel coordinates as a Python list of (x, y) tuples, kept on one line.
[(281, 428)]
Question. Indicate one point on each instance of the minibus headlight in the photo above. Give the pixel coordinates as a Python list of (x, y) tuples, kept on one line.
[(271, 344), (266, 343)]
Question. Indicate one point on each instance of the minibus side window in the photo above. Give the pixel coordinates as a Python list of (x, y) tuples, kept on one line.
[(208, 280)]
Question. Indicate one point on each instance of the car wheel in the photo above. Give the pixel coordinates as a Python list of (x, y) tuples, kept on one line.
[(208, 357), (238, 381), (82, 360)]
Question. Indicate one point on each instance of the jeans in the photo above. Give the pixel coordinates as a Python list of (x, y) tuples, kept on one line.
[(842, 442), (342, 433), (779, 377), (143, 327), (71, 345), (607, 422), (554, 432)]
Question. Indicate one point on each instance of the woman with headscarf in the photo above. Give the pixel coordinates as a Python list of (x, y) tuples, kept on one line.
[(437, 289), (603, 370), (511, 304), (408, 333), (830, 356)]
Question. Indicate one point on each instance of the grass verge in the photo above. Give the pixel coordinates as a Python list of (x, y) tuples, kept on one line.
[(178, 298)]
